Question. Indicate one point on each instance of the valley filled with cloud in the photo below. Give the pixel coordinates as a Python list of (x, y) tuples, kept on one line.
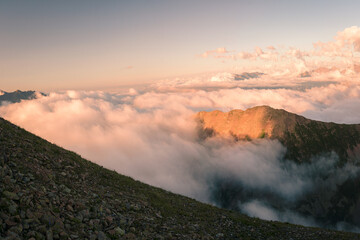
[(151, 133)]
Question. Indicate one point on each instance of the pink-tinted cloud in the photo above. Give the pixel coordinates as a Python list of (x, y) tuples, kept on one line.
[(344, 43), (216, 52), (152, 135), (296, 62)]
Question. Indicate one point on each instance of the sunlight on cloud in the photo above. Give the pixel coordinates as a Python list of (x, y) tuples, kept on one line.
[(152, 135), (333, 59)]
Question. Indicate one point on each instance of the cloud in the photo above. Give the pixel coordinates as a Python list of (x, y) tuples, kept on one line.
[(150, 134), (261, 210), (216, 53), (342, 55), (345, 43)]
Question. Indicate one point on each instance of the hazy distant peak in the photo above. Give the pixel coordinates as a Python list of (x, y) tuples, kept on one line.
[(229, 77), (19, 95), (247, 75)]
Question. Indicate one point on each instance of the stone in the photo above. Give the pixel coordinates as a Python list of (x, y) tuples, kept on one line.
[(11, 195), (130, 236), (9, 222), (109, 219), (49, 235), (63, 235), (69, 208), (39, 235), (48, 219), (42, 229), (219, 235), (101, 236), (13, 209), (12, 236), (119, 231), (16, 229)]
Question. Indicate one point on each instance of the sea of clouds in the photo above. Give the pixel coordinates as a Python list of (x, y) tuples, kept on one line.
[(150, 134)]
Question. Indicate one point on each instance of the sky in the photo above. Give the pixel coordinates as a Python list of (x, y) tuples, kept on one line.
[(124, 80), (49, 46)]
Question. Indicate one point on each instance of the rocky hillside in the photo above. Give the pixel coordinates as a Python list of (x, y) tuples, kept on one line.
[(51, 193), (302, 137)]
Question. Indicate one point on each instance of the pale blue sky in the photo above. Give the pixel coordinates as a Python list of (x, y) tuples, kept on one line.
[(50, 45)]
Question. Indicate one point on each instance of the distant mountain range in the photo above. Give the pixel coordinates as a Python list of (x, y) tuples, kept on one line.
[(247, 75), (307, 143), (17, 96)]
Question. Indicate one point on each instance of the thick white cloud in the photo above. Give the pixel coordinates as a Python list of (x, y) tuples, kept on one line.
[(151, 134)]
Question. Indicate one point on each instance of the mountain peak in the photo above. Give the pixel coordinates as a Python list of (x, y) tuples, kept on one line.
[(302, 137), (259, 121)]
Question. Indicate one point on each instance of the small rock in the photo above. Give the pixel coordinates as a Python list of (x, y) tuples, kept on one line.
[(69, 208), (109, 219), (63, 235), (11, 195), (13, 209), (49, 235), (10, 223), (219, 235), (130, 236), (16, 229), (12, 235), (119, 231), (48, 219), (39, 235), (101, 236)]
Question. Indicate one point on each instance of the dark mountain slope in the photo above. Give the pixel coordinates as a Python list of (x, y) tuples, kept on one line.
[(334, 196), (51, 193)]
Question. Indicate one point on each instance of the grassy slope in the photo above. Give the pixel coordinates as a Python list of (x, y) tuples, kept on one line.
[(84, 200)]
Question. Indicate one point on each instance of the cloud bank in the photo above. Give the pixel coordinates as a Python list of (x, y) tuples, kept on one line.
[(150, 133), (153, 137)]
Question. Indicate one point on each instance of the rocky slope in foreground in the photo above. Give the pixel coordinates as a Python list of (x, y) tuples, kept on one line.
[(51, 193), (303, 137)]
